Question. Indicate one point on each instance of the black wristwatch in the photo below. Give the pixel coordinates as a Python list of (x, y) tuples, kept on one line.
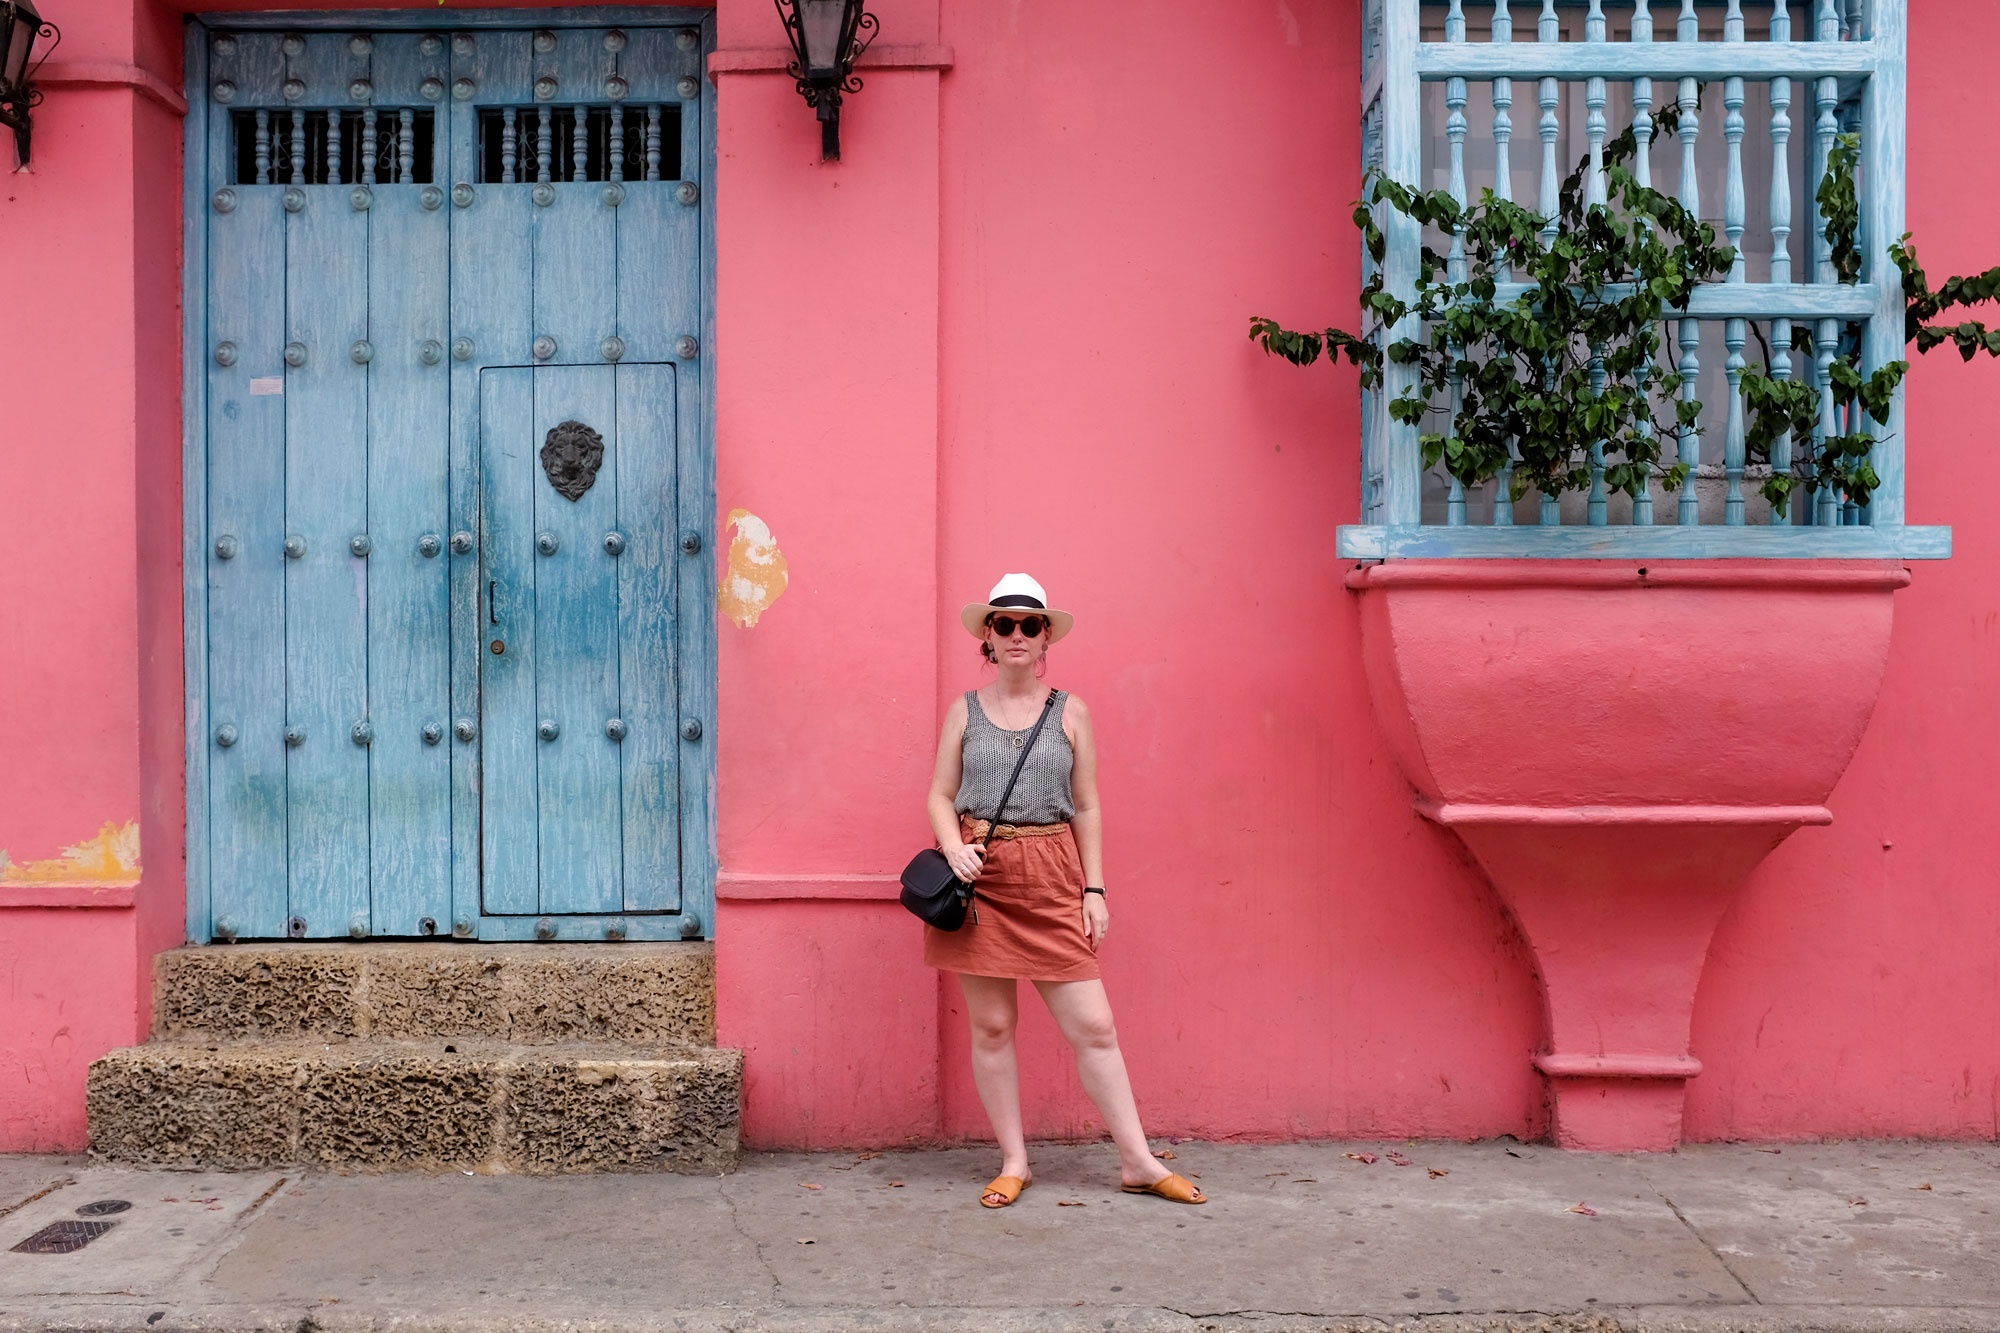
[(1098, 891)]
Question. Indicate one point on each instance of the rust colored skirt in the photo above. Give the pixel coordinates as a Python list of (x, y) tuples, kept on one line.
[(1030, 903)]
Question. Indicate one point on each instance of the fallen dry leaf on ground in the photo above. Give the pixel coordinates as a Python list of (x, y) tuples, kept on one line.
[(1923, 1187), (849, 1167), (1397, 1159), (1167, 1154), (895, 1184), (1771, 1150), (1071, 1203), (1269, 1174), (1583, 1208), (804, 1186), (1365, 1158), (866, 1156), (808, 1240), (1437, 1171), (1304, 1180), (1857, 1203)]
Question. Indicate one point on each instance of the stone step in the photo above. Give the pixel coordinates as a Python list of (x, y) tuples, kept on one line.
[(530, 994), (470, 1104)]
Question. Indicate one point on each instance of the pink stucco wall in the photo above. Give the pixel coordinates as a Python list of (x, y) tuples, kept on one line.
[(1007, 332)]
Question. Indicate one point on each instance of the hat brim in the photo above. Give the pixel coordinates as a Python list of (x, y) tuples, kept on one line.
[(973, 617)]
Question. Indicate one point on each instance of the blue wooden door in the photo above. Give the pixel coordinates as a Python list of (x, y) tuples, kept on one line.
[(448, 688)]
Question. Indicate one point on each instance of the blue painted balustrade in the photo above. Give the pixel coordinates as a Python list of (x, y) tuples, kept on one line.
[(1592, 68)]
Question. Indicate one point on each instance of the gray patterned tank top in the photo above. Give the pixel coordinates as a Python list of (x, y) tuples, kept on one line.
[(1042, 796)]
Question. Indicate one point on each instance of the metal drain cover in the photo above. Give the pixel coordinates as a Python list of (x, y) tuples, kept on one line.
[(103, 1208), (63, 1237)]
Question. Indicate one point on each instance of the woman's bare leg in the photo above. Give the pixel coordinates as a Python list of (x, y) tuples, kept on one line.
[(1083, 1011), (992, 1005)]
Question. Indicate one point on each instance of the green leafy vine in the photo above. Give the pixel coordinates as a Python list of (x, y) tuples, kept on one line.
[(1565, 379)]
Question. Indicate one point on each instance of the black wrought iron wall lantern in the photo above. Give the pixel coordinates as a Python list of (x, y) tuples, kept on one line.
[(827, 37), (20, 27)]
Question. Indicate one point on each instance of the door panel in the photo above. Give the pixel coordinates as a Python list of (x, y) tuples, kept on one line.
[(649, 757), (510, 800), (325, 509), (246, 574), (576, 654)]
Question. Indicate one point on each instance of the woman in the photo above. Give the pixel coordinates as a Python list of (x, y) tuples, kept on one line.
[(1039, 900)]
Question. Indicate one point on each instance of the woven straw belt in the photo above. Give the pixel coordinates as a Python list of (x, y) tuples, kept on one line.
[(1006, 831)]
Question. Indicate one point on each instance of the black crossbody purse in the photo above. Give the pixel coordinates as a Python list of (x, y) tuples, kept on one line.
[(930, 888)]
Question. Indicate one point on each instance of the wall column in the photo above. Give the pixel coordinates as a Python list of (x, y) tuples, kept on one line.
[(826, 441)]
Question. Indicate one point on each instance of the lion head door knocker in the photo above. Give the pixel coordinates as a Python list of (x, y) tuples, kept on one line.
[(571, 455)]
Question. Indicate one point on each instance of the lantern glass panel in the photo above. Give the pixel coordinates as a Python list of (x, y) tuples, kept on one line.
[(22, 22), (820, 22)]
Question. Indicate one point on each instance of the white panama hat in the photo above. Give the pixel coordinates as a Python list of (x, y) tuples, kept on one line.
[(1015, 592)]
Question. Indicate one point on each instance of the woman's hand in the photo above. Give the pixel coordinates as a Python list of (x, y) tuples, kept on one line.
[(1096, 919), (966, 859)]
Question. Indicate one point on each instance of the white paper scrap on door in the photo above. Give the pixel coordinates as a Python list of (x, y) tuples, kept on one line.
[(265, 385)]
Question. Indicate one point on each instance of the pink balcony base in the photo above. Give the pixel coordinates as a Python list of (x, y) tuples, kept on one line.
[(1619, 747)]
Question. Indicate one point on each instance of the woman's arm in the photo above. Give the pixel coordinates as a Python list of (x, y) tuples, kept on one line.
[(1088, 822), (941, 804)]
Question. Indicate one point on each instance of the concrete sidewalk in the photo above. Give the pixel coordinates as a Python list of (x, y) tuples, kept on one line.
[(1490, 1235)]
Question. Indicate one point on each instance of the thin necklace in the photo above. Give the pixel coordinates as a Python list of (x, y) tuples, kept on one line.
[(1018, 735)]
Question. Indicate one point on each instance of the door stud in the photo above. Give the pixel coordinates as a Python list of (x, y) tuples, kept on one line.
[(615, 728), (295, 736), (545, 929), (461, 543), (428, 546), (691, 729), (433, 733), (548, 731), (464, 729), (225, 547), (295, 548), (547, 543), (614, 543), (225, 735)]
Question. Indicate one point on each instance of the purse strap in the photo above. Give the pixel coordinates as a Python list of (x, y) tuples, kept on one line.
[(1019, 764)]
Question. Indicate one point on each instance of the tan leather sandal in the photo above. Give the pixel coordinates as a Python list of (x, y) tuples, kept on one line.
[(1173, 1186), (1007, 1187)]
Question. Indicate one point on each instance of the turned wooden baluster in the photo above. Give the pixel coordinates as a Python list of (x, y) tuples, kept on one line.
[(1781, 231), (1690, 329), (406, 147), (1503, 187), (615, 143), (1549, 29), (1735, 331), (333, 173), (579, 144), (545, 130), (263, 147), (1826, 506), (653, 142), (369, 149), (510, 146), (1642, 171), (1455, 126)]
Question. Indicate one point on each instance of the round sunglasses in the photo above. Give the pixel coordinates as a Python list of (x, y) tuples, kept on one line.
[(1004, 625)]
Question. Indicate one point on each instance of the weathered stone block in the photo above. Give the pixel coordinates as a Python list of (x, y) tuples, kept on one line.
[(393, 1105), (177, 1105), (646, 994), (417, 992), (611, 1111), (257, 991)]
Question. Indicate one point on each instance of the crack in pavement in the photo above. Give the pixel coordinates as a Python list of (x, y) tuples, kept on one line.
[(722, 1191), (1702, 1241)]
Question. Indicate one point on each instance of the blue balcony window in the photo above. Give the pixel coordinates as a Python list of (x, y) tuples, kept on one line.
[(1466, 95)]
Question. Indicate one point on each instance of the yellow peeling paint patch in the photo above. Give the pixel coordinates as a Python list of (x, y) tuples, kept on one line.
[(756, 576), (110, 858)]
